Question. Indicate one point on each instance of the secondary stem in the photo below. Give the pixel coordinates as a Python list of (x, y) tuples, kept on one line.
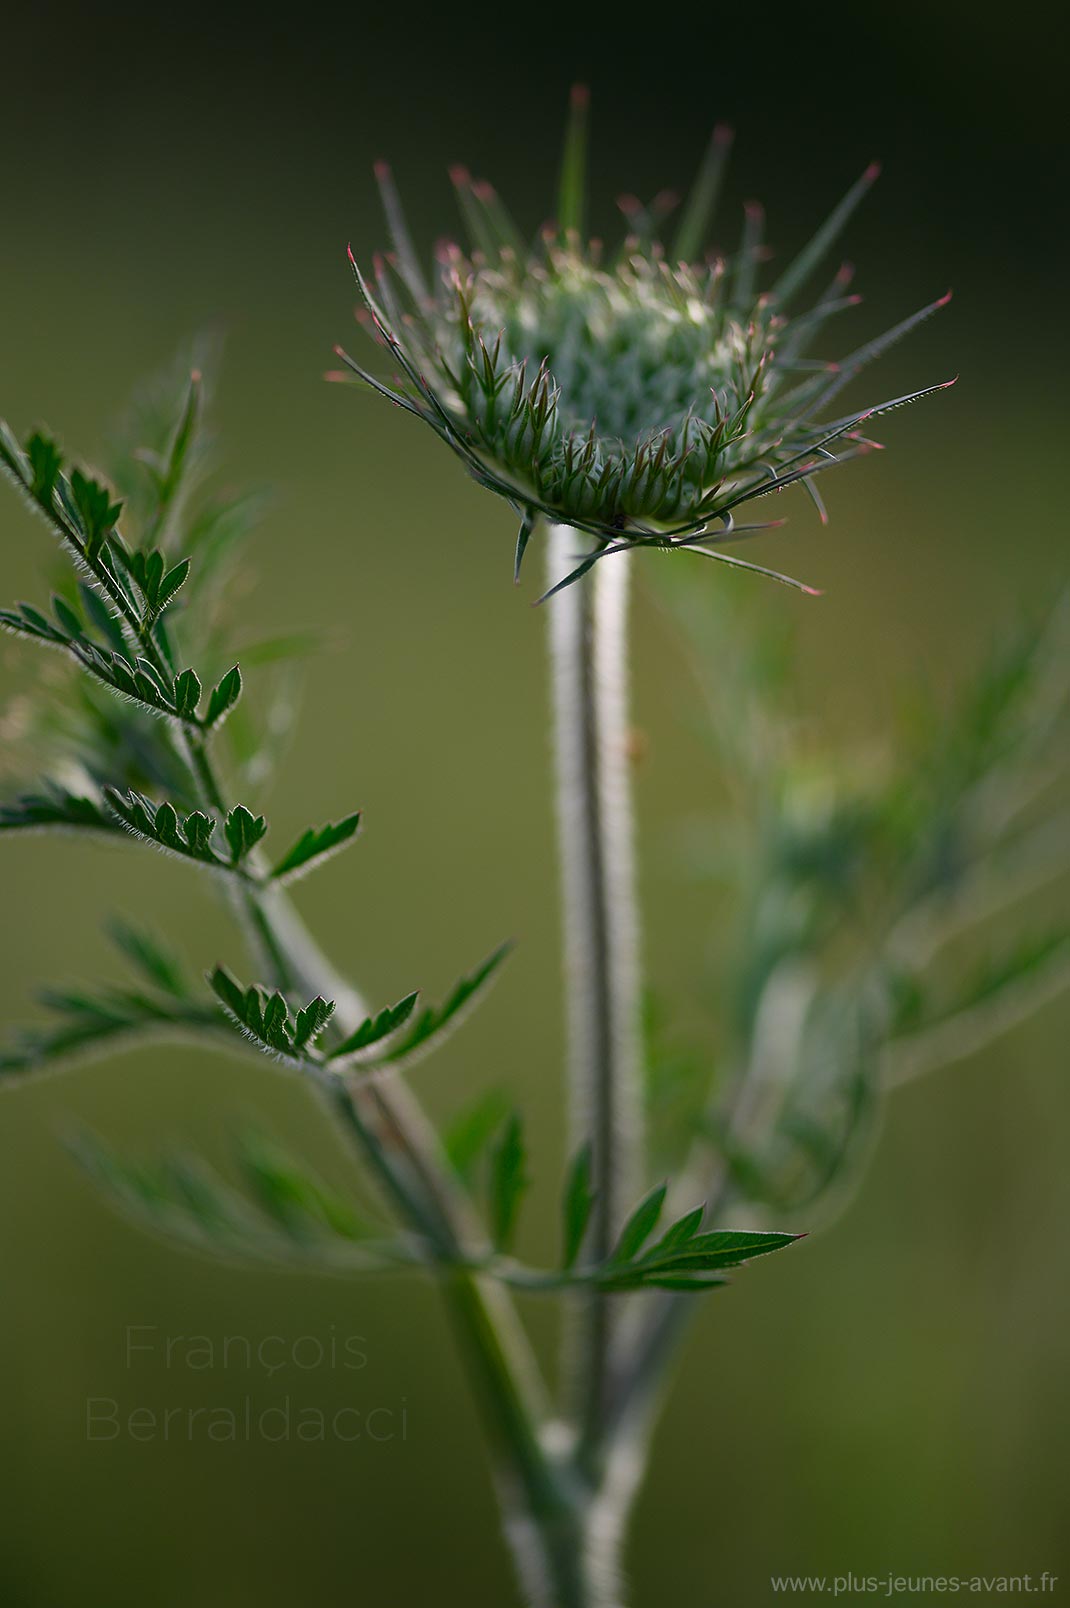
[(541, 1506), (588, 642)]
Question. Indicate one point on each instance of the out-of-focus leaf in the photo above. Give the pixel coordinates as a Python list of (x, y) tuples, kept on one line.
[(57, 806), (289, 1218), (576, 1206), (88, 1021), (151, 956), (466, 1139), (507, 1182)]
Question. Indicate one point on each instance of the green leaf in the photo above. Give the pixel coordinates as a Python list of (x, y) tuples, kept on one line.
[(470, 1132), (315, 845), (169, 478), (434, 1023), (170, 584), (262, 1015), (577, 1204), (266, 1018), (376, 1028), (187, 694), (28, 621), (507, 1182), (150, 687), (98, 514), (1006, 969), (45, 462), (187, 835), (150, 956), (640, 1225), (691, 1260), (12, 457), (95, 1020), (224, 696), (244, 831), (67, 618), (99, 614), (229, 991), (180, 1197), (56, 806), (684, 1229), (312, 1020), (289, 1217), (140, 680), (1006, 990), (292, 1196)]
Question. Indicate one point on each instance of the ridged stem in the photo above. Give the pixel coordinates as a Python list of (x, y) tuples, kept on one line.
[(589, 657)]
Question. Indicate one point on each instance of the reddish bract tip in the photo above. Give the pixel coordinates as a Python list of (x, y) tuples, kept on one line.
[(484, 191), (381, 170), (335, 376), (338, 352), (945, 298), (196, 377), (872, 173), (948, 384), (580, 97), (724, 134), (349, 254), (629, 205), (813, 591), (846, 273), (754, 209), (460, 175)]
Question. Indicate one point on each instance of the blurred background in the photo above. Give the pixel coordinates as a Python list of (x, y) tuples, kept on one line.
[(892, 1397)]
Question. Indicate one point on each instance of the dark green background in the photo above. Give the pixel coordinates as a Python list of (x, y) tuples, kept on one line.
[(891, 1397)]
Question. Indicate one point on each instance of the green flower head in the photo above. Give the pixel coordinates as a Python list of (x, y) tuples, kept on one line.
[(642, 395)]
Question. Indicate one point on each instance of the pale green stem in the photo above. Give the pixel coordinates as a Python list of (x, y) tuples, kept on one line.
[(541, 1503), (539, 1497), (588, 644)]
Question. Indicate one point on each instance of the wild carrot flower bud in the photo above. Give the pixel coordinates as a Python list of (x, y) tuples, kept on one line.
[(642, 396)]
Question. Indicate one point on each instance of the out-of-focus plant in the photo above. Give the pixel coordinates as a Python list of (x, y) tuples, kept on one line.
[(631, 403)]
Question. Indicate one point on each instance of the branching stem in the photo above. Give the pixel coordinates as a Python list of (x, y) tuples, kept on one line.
[(400, 1148)]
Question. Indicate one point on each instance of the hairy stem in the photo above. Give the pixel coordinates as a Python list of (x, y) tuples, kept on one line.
[(588, 641), (540, 1501), (399, 1146)]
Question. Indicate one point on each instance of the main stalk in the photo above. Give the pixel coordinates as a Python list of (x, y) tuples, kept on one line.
[(589, 656)]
